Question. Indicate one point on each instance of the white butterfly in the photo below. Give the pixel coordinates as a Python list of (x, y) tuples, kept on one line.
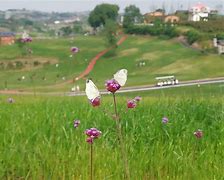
[(121, 76), (91, 90)]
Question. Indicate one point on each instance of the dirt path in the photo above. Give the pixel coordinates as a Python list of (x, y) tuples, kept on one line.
[(92, 63), (97, 57)]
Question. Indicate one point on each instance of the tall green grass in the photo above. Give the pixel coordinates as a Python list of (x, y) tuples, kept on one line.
[(38, 141)]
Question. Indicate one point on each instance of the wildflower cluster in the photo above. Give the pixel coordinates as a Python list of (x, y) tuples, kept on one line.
[(198, 134), (26, 39), (95, 102), (74, 50), (165, 120), (133, 102), (11, 100), (76, 123), (92, 134), (112, 85)]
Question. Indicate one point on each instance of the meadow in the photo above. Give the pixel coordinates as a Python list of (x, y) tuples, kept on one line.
[(38, 140), (160, 58)]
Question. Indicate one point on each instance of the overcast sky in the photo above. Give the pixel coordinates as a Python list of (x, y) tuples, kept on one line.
[(86, 5)]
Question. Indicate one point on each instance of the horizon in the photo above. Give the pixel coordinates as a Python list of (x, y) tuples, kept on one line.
[(88, 5)]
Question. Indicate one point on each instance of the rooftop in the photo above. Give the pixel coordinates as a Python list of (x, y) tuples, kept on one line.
[(6, 34), (199, 6)]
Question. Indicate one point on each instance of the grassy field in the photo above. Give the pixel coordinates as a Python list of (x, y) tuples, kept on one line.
[(161, 57), (38, 140), (56, 51)]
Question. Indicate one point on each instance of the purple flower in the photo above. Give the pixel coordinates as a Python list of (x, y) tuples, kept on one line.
[(112, 85), (88, 132), (131, 103), (76, 123), (95, 102), (26, 40), (11, 100), (92, 134), (89, 140), (138, 98), (74, 49), (198, 134), (165, 120), (29, 39)]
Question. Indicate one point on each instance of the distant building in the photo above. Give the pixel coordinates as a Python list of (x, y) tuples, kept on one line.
[(159, 14), (7, 38), (171, 19), (219, 44), (199, 12)]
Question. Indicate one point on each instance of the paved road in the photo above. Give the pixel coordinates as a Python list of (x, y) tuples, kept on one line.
[(123, 90), (152, 87)]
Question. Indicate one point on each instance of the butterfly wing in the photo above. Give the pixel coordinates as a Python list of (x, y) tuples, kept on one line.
[(121, 76), (91, 90)]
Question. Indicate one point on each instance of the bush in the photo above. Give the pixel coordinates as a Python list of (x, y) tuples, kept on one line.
[(220, 36), (211, 26), (36, 63), (156, 30), (19, 64), (192, 36)]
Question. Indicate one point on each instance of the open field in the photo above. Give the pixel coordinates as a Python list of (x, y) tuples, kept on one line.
[(38, 140), (161, 57), (53, 51)]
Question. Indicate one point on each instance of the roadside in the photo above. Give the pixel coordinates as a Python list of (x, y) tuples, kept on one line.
[(123, 90)]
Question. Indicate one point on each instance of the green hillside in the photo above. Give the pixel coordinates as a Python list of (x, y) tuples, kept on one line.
[(161, 57)]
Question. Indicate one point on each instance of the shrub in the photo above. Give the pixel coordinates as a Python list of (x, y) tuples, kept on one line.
[(36, 63), (155, 30), (220, 36), (19, 64), (192, 36), (208, 26)]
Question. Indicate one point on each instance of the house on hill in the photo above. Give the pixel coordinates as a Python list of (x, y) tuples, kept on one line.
[(7, 38), (199, 12), (171, 19), (159, 14)]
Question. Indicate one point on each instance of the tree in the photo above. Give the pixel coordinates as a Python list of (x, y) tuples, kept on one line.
[(110, 32), (102, 13), (66, 30), (132, 15), (110, 36), (77, 28)]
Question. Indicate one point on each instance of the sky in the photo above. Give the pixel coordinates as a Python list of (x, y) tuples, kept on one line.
[(87, 5)]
